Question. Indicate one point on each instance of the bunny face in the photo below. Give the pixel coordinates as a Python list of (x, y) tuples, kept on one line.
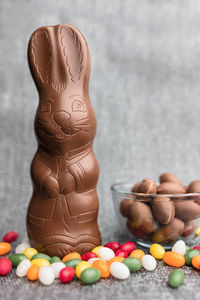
[(66, 123), (60, 65)]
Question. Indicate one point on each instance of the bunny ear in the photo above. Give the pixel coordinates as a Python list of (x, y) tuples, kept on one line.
[(39, 56), (75, 51)]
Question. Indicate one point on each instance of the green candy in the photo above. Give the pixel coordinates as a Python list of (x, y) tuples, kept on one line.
[(41, 255), (188, 248), (189, 256), (176, 278), (90, 276), (133, 263), (16, 258), (73, 262), (54, 259)]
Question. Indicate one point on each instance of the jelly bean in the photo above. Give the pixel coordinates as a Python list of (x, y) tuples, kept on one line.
[(23, 267), (33, 272), (106, 253), (128, 247), (82, 266), (197, 231), (72, 255), (116, 258), (179, 247), (4, 248), (113, 245), (90, 276), (41, 262), (157, 251), (29, 252), (57, 267), (10, 236), (103, 268), (176, 278), (46, 275), (148, 262), (174, 259), (96, 250), (133, 263), (21, 247), (189, 256), (119, 270), (196, 247), (88, 255), (67, 274), (73, 262), (41, 255), (5, 266), (91, 260), (196, 262), (138, 253), (54, 259), (16, 259), (121, 253)]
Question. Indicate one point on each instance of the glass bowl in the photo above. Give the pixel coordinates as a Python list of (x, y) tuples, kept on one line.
[(157, 218)]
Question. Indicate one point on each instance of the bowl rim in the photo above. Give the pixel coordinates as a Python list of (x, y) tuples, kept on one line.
[(116, 187)]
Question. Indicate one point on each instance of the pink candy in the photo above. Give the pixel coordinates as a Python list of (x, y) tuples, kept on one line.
[(86, 256), (196, 247), (113, 245), (66, 274), (10, 236), (5, 266), (128, 247), (121, 253)]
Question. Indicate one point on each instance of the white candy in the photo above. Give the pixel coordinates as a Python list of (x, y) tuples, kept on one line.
[(106, 253), (119, 270), (46, 275), (21, 247), (91, 260), (148, 262), (57, 267), (23, 267), (179, 247)]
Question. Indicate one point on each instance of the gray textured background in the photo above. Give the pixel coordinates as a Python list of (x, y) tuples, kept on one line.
[(146, 93)]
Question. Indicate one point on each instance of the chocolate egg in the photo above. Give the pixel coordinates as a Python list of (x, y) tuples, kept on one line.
[(124, 206), (169, 177), (163, 209), (186, 210), (170, 232), (147, 186), (170, 188)]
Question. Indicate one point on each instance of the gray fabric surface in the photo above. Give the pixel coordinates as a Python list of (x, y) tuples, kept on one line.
[(145, 91)]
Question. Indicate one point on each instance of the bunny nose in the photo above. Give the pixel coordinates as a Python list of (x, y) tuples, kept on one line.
[(61, 118)]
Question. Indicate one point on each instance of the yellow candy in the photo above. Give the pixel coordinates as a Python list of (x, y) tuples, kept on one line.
[(157, 251), (41, 262), (96, 250), (81, 267), (29, 252), (197, 231)]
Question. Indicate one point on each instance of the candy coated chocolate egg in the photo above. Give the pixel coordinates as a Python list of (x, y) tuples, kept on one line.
[(67, 274), (90, 276), (148, 262), (128, 247), (46, 276), (23, 267), (57, 267), (72, 262), (10, 236), (113, 245), (157, 251), (174, 259), (119, 270), (176, 278), (106, 253), (179, 247), (133, 263), (5, 266), (16, 259)]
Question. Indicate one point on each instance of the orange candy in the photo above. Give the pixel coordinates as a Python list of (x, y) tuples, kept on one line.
[(116, 258), (138, 253), (196, 262), (72, 255), (4, 248), (174, 259), (103, 268), (33, 272)]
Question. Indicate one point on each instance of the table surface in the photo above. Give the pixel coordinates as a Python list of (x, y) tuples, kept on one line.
[(145, 91)]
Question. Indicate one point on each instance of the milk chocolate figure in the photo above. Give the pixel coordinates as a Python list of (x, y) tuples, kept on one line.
[(62, 214)]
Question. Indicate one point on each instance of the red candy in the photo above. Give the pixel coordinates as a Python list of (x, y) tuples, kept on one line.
[(121, 253), (128, 247), (5, 266), (86, 256), (113, 245), (10, 236), (66, 274), (196, 247)]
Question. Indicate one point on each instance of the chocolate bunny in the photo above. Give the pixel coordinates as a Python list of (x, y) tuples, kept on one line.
[(62, 214)]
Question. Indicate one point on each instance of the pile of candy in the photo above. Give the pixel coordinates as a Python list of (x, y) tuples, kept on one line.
[(112, 259)]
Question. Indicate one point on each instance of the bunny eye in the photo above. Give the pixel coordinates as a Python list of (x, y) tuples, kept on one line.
[(46, 107), (78, 106)]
